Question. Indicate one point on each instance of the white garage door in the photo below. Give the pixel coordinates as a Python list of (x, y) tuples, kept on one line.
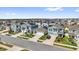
[(39, 33)]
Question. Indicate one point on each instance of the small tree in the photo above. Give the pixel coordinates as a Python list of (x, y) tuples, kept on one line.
[(48, 37)]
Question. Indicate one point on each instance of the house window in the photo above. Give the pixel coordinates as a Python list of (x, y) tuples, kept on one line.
[(50, 29), (23, 28), (73, 30), (17, 26), (60, 30), (55, 29), (27, 27)]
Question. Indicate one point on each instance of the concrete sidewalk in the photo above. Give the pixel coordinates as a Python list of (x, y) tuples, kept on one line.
[(18, 34), (3, 31)]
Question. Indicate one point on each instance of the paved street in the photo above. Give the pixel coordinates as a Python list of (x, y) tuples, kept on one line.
[(34, 46)]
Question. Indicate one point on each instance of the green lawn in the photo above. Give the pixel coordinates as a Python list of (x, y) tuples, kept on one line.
[(26, 36), (6, 44), (2, 49), (12, 32), (23, 37), (42, 38), (66, 40), (24, 50), (29, 35), (1, 30)]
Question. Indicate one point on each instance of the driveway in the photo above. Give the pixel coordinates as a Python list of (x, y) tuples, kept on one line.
[(36, 37), (50, 41)]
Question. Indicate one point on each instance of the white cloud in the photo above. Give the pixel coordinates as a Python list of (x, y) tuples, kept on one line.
[(77, 10), (54, 9), (11, 14)]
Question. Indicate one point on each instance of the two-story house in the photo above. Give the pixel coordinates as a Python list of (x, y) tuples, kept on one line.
[(55, 30), (15, 27)]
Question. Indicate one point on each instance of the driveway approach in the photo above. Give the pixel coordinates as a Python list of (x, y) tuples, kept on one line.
[(34, 46)]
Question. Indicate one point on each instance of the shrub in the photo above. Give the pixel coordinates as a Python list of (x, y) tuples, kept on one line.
[(48, 37)]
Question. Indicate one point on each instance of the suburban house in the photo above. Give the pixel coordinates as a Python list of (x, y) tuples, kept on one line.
[(55, 29), (2, 25), (24, 27), (52, 23), (74, 31), (32, 28), (15, 27), (39, 24), (45, 25)]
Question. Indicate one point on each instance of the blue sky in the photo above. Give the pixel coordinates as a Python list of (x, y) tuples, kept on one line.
[(39, 12)]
